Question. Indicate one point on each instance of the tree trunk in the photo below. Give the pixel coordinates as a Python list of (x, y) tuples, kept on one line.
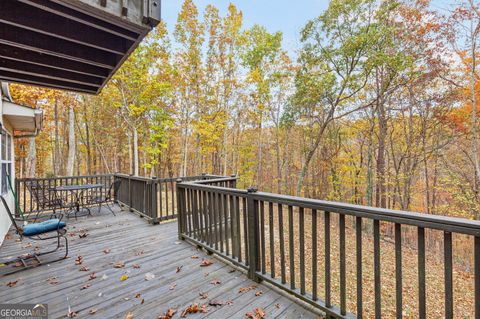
[(56, 158), (380, 191), (71, 141), (135, 152), (474, 118)]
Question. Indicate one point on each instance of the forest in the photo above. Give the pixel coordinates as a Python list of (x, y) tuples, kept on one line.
[(378, 106)]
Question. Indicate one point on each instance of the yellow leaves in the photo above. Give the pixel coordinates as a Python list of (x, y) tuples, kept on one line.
[(124, 277)]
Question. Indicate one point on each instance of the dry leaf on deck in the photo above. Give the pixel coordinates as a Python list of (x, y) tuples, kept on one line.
[(206, 262), (136, 266), (173, 286), (258, 293), (106, 251), (129, 316), (93, 311), (85, 287), (84, 268), (12, 283), (79, 260), (179, 268), (168, 315), (92, 276), (84, 235), (245, 289), (215, 282), (215, 303), (203, 295), (124, 277), (119, 264)]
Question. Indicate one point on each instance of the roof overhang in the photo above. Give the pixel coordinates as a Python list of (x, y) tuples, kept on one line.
[(75, 45), (23, 119)]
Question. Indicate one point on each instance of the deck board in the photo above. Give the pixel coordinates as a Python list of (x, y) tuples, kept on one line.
[(158, 251)]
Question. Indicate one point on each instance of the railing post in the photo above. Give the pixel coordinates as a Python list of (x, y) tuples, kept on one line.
[(130, 204), (233, 182), (204, 176), (17, 202), (180, 206), (154, 198), (253, 235)]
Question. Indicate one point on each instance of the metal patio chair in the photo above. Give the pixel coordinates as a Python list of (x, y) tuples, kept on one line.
[(44, 198), (106, 198), (49, 229)]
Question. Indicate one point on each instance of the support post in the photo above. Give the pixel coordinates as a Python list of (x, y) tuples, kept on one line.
[(130, 197), (253, 235), (180, 206), (154, 199), (234, 182)]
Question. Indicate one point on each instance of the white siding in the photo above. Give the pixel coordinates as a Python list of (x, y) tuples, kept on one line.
[(5, 222)]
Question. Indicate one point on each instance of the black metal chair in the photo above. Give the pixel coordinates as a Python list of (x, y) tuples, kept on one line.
[(44, 199), (49, 229), (106, 198)]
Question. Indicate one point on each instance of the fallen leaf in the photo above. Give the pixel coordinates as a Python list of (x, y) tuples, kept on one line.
[(79, 260), (245, 289), (277, 305), (142, 302), (106, 251), (231, 270), (194, 308), (139, 253), (92, 276), (168, 315), (194, 257), (259, 313), (215, 282), (179, 268), (84, 268), (93, 311), (215, 303), (72, 314), (258, 293), (84, 235), (206, 262), (138, 296), (85, 287), (229, 302), (129, 316), (124, 277), (119, 264), (52, 280), (203, 295), (149, 276), (12, 283), (173, 286), (136, 266)]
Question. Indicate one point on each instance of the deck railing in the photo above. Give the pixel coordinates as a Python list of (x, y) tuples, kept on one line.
[(151, 198), (270, 235)]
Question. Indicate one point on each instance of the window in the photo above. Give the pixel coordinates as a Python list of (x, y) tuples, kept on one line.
[(6, 161)]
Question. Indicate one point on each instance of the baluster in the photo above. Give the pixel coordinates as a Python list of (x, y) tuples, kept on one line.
[(328, 300), (343, 280), (282, 243), (262, 236), (291, 246), (301, 219), (314, 256), (376, 261), (447, 246), (271, 241), (398, 270), (421, 273)]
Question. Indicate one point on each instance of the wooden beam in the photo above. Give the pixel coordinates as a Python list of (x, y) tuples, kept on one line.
[(34, 19), (46, 72), (50, 83), (23, 55), (81, 17), (29, 40)]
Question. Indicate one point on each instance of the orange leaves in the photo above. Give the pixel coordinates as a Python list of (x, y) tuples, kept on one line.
[(168, 315), (79, 260), (194, 308), (206, 263), (259, 313), (119, 264), (12, 283)]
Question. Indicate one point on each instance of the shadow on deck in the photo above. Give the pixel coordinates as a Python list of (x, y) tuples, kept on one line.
[(144, 249)]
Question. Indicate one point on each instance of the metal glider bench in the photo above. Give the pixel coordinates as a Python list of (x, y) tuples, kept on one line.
[(49, 229)]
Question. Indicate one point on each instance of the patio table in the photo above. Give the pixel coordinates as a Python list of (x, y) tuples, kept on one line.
[(77, 192)]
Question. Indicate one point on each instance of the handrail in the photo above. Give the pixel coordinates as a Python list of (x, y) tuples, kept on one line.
[(266, 234)]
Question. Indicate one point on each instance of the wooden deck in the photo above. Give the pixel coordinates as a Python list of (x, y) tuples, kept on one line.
[(144, 249)]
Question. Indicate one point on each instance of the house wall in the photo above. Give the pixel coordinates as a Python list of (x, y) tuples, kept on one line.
[(5, 222)]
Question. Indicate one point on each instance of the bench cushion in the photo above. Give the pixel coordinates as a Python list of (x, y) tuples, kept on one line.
[(43, 227)]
